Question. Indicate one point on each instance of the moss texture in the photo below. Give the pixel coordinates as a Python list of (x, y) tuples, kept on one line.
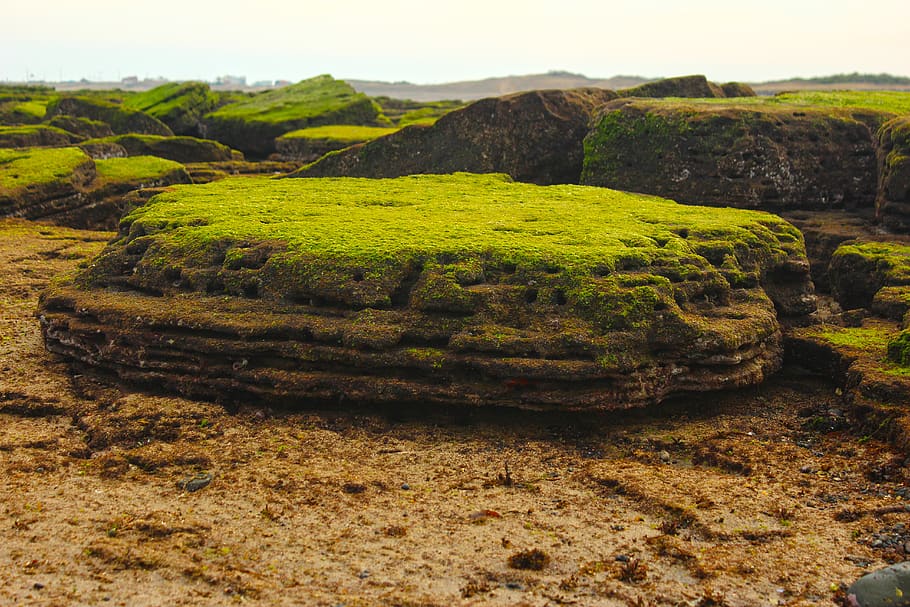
[(859, 270), (306, 145), (35, 135), (179, 105), (438, 287), (121, 119), (748, 153), (84, 127), (179, 149), (253, 124)]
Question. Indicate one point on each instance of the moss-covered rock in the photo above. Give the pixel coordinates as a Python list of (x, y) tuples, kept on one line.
[(404, 112), (689, 86), (893, 201), (534, 137), (179, 149), (121, 119), (84, 127), (35, 135), (748, 153), (860, 269), (65, 186), (899, 349), (179, 105), (459, 289), (307, 145), (251, 125)]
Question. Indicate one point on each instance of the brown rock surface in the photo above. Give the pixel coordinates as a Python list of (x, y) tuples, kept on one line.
[(893, 202), (533, 137)]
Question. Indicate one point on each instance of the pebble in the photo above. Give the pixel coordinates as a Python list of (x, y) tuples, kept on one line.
[(364, 574), (807, 470), (405, 487), (885, 587), (195, 483), (664, 457), (622, 558)]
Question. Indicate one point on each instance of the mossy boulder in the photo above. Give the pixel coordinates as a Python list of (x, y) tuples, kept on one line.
[(893, 202), (688, 86), (18, 109), (860, 269), (404, 112), (534, 137), (84, 127), (751, 154), (179, 105), (121, 119), (454, 289), (179, 149), (65, 186), (899, 349), (35, 135), (307, 145), (252, 124)]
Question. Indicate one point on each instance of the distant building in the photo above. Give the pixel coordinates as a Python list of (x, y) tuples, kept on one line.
[(231, 81), (282, 83), (130, 81)]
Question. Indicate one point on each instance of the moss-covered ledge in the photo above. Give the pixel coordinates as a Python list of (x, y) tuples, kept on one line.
[(445, 289)]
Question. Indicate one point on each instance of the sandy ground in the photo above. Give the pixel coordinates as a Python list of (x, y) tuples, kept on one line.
[(759, 497)]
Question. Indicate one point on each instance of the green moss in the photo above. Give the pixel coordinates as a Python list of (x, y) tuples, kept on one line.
[(24, 130), (899, 349), (615, 135), (300, 102), (180, 105), (34, 167), (889, 261), (341, 132), (135, 168), (891, 102), (869, 339)]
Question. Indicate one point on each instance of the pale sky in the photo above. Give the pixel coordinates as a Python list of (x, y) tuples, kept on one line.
[(432, 42)]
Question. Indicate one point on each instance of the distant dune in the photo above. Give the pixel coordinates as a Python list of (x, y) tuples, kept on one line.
[(490, 87)]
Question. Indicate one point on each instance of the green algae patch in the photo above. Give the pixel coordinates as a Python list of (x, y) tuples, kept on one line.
[(468, 289), (121, 119), (859, 270), (181, 149), (31, 168), (252, 124), (135, 168), (348, 133), (35, 135), (180, 105)]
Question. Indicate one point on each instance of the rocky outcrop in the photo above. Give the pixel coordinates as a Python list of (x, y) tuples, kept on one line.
[(84, 127), (307, 145), (860, 269), (119, 118), (688, 86), (67, 187), (534, 137), (251, 125), (179, 105), (35, 135), (433, 289), (758, 155), (179, 149), (893, 203)]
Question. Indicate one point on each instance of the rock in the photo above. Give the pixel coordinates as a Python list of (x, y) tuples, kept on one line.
[(65, 186), (34, 136), (101, 149), (688, 86), (763, 155), (859, 269), (533, 137), (179, 149), (307, 145), (84, 127), (120, 119), (887, 587), (453, 289), (179, 105), (251, 125), (893, 202)]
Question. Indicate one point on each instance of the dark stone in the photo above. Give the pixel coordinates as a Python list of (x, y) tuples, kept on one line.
[(888, 587), (534, 137)]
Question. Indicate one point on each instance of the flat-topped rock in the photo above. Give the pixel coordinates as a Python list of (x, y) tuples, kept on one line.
[(307, 145), (121, 119), (35, 135), (776, 155), (179, 149), (534, 137), (462, 289)]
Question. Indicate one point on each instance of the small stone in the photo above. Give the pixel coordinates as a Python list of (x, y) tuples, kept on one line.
[(807, 470), (664, 457), (38, 586), (622, 558), (405, 487), (364, 574)]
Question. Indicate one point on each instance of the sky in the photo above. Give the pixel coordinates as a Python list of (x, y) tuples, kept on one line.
[(434, 42)]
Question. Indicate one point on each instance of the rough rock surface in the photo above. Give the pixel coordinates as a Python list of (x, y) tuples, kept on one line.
[(179, 149), (84, 127), (893, 202), (768, 156), (860, 269), (534, 137), (67, 187), (887, 587), (35, 135), (688, 86), (434, 294), (307, 145), (120, 119), (252, 125)]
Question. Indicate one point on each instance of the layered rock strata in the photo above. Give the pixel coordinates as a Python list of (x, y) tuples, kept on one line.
[(459, 289), (534, 137)]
